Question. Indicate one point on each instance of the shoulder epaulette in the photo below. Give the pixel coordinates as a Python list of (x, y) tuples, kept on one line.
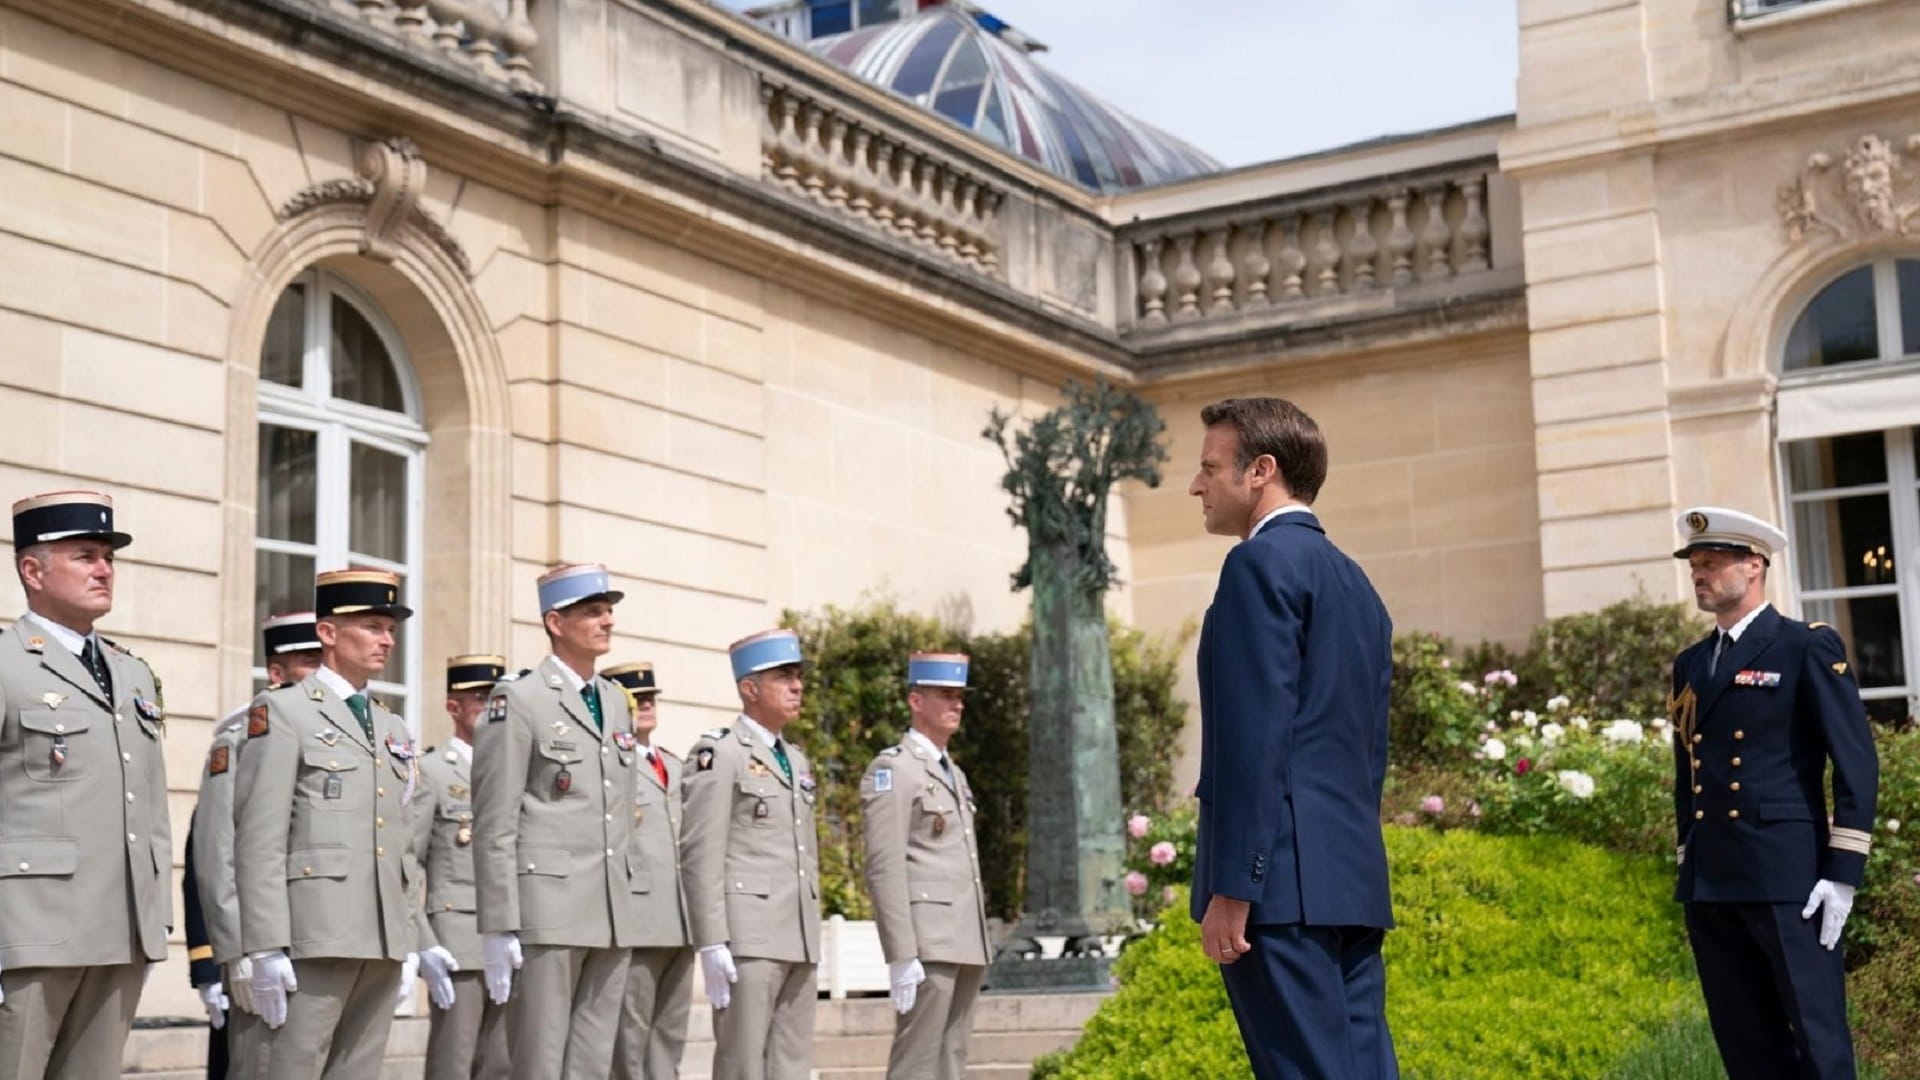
[(890, 751), (716, 734), (1819, 626), (515, 675)]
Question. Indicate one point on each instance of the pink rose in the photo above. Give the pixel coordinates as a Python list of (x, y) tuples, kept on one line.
[(1136, 883), (1162, 853), (1138, 824), (1473, 809), (1168, 895), (1433, 804)]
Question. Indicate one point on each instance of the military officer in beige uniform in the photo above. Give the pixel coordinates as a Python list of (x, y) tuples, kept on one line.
[(653, 1027), (218, 965), (320, 840), (553, 781), (468, 1038), (923, 870), (750, 867), (86, 855)]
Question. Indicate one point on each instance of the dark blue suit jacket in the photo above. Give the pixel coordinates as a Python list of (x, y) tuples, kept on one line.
[(1752, 742), (1296, 656)]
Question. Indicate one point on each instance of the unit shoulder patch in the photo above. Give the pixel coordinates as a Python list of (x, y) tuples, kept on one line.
[(257, 721), (1839, 667), (496, 708), (218, 761), (703, 758), (882, 780)]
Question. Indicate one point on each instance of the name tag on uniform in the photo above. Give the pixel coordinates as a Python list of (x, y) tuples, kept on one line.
[(1768, 679)]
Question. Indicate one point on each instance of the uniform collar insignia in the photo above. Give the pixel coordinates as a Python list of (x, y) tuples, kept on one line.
[(36, 643)]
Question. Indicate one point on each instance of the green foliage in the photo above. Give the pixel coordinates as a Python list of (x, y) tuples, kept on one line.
[(1682, 1050), (856, 706), (1886, 913), (1516, 958), (1151, 881), (1884, 994), (1617, 661), (1607, 784), (1437, 705)]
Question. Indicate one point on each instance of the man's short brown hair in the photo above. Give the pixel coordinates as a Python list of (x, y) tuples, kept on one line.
[(1277, 427)]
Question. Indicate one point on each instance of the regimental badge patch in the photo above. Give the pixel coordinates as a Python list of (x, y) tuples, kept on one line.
[(497, 709), (1839, 667), (882, 780), (703, 758), (218, 761), (257, 721)]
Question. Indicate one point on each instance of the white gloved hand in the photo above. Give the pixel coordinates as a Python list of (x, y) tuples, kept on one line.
[(272, 981), (905, 977), (502, 958), (716, 966), (215, 999), (437, 966), (1838, 902), (409, 972), (3, 997), (240, 984)]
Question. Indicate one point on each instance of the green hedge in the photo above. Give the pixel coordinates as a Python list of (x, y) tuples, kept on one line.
[(1517, 958), (856, 706)]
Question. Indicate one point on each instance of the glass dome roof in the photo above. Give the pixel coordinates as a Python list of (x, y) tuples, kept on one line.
[(955, 62)]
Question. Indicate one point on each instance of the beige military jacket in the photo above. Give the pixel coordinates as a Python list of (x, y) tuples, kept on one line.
[(659, 905), (553, 812), (320, 828), (923, 859), (442, 823), (86, 849), (213, 840), (749, 850)]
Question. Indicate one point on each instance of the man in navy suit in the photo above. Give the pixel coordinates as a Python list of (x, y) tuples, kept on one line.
[(1290, 879), (1759, 708)]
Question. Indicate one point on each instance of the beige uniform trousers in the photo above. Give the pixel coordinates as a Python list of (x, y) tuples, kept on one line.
[(930, 1041), (653, 1022), (766, 1031), (337, 1022), (67, 1023), (246, 1036), (565, 1011), (469, 1040)]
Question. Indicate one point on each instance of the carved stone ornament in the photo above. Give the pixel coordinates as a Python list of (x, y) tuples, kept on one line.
[(390, 177), (1863, 199)]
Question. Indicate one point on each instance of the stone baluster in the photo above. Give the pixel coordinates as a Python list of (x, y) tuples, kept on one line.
[(989, 242), (814, 173), (1186, 279), (483, 29), (837, 161), (1254, 265), (769, 134), (373, 11), (949, 213), (1326, 254), (1362, 248), (447, 16), (347, 7), (1400, 241), (1153, 285), (1473, 228), (1437, 235), (906, 220), (883, 154), (859, 187), (1293, 261), (520, 39), (790, 147), (1220, 273), (964, 216), (929, 234), (410, 21)]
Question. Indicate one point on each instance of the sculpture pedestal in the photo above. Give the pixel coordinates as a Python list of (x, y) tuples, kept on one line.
[(1012, 974)]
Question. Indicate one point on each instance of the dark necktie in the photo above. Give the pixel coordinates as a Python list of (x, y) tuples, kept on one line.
[(659, 766), (591, 696), (780, 755), (1722, 642), (363, 713), (97, 666), (946, 766)]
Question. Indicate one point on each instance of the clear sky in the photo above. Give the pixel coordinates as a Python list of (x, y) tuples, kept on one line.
[(1254, 80)]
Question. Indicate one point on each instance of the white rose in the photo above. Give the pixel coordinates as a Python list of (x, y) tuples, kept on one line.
[(1550, 733), (1558, 702), (1513, 716), (1576, 783), (1579, 722), (1530, 718), (1492, 727), (1623, 731), (1893, 824), (1467, 688), (1523, 740), (1494, 749)]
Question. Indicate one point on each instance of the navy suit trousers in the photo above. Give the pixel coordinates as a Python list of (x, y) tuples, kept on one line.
[(1311, 1002), (1776, 997)]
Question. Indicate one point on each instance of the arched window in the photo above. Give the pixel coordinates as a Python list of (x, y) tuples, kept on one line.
[(1849, 419), (341, 454)]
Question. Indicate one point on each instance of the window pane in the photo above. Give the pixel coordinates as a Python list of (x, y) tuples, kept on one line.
[(1844, 542), (829, 19), (287, 478), (362, 371), (876, 11), (1870, 625), (281, 583), (916, 73), (1908, 272), (377, 524), (1838, 327), (1846, 461), (282, 355)]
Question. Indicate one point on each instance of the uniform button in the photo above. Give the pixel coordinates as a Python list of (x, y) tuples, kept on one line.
[(1696, 763), (1735, 786), (379, 823), (379, 851), (129, 796), (1733, 813), (609, 817), (24, 867), (332, 766), (1697, 738), (117, 718), (1736, 763), (1698, 814), (449, 906), (132, 839), (380, 791), (1697, 789), (307, 870), (126, 757), (1739, 734), (529, 866), (609, 853), (58, 728), (603, 749), (606, 783), (736, 884)]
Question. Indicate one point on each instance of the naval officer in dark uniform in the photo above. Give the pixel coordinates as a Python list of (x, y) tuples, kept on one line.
[(1760, 707)]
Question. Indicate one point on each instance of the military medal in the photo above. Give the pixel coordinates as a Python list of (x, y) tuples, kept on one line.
[(761, 810), (59, 752), (464, 834), (806, 786), (940, 825), (562, 782), (624, 740)]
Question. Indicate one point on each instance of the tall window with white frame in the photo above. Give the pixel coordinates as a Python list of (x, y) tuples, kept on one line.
[(341, 457), (1850, 383)]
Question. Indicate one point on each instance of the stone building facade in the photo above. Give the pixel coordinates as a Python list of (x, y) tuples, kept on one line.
[(309, 282)]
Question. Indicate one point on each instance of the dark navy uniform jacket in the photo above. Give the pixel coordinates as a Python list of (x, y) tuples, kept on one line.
[(1294, 667), (1751, 747), (201, 968)]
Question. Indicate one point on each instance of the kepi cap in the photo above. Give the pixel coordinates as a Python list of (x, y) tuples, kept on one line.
[(477, 671), (65, 515), (358, 592), (763, 651), (565, 586), (937, 669), (289, 632), (637, 677), (1715, 528)]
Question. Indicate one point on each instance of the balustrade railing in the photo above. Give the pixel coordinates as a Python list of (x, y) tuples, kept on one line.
[(842, 161), (494, 38), (1308, 247)]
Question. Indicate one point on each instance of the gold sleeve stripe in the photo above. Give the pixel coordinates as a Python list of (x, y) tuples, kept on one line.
[(1852, 834), (204, 952), (1859, 847)]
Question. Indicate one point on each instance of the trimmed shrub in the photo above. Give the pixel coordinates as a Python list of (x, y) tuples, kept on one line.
[(1517, 958)]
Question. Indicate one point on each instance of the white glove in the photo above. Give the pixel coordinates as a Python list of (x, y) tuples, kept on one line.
[(240, 984), (1838, 900), (3, 997), (437, 965), (502, 957), (272, 981), (409, 971), (905, 976), (716, 966), (215, 999)]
